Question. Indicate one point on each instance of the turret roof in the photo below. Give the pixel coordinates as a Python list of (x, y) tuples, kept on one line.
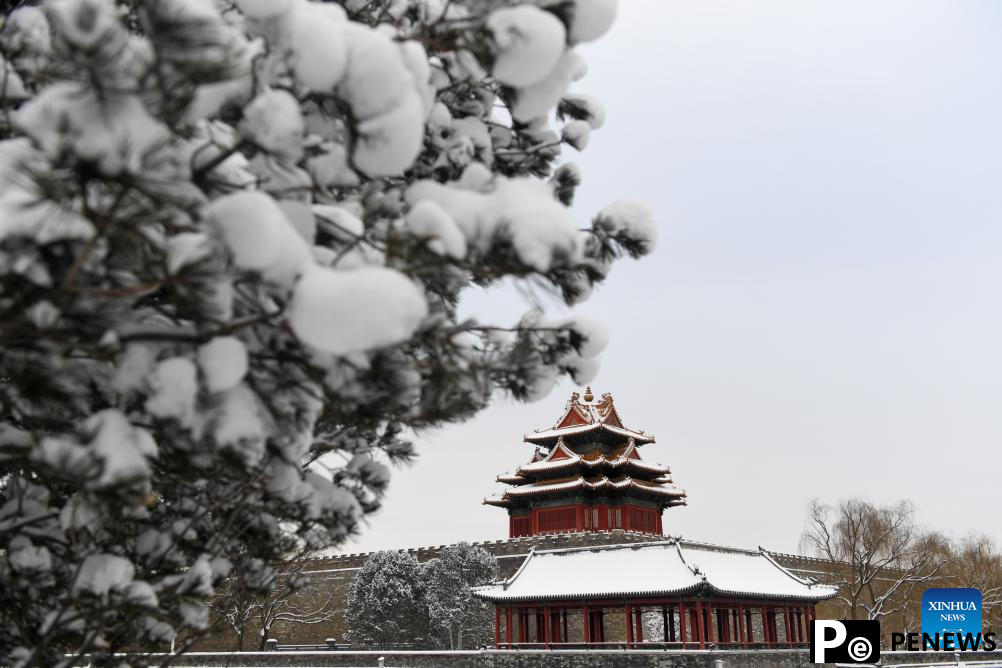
[(585, 417), (561, 458)]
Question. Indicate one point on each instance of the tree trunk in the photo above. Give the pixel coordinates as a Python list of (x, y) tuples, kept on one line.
[(459, 638), (264, 639)]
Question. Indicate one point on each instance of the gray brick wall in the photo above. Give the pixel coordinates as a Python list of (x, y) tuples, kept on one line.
[(337, 571)]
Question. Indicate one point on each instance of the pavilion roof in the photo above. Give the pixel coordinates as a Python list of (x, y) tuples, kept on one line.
[(659, 488), (561, 458), (648, 570), (580, 418)]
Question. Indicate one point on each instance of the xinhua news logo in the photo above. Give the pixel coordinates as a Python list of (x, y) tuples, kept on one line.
[(951, 621), (845, 641), (951, 612)]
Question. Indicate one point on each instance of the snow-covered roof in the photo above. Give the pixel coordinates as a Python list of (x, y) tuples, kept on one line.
[(665, 568), (557, 432), (657, 488), (561, 457), (586, 417)]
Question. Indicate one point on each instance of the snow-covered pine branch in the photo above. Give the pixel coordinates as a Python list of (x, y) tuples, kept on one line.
[(233, 236)]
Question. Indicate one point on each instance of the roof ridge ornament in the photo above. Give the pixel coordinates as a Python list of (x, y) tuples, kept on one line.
[(588, 396)]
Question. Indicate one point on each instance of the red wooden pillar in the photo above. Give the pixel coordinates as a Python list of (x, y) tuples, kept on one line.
[(664, 625), (507, 628), (629, 627), (660, 528), (497, 628), (810, 620), (681, 624), (742, 622), (700, 631), (587, 623), (712, 622), (766, 635), (546, 627), (638, 613), (724, 615), (523, 625)]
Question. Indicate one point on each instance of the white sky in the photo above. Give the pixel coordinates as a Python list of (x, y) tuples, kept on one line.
[(821, 317)]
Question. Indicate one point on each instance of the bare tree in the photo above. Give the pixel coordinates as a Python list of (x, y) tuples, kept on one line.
[(290, 596), (978, 564), (878, 552)]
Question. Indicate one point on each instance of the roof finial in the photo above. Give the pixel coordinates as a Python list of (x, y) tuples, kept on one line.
[(588, 396)]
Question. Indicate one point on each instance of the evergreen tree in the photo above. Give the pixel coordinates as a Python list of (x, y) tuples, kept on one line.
[(233, 238), (449, 578), (386, 604)]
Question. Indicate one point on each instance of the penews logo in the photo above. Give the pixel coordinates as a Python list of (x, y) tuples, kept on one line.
[(845, 641)]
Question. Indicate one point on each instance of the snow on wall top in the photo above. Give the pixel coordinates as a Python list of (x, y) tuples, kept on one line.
[(651, 569)]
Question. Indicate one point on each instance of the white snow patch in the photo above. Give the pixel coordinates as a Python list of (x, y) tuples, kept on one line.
[(632, 220), (101, 573), (237, 424), (343, 224), (115, 133), (260, 236), (428, 219), (590, 19), (134, 368), (84, 23), (536, 100), (223, 361), (528, 42), (260, 9), (355, 310), (541, 230), (274, 122), (174, 386), (122, 448), (576, 133), (187, 248)]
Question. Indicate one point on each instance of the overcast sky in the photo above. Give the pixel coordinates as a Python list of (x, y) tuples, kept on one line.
[(821, 317)]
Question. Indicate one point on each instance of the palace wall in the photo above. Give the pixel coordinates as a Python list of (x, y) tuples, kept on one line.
[(338, 571)]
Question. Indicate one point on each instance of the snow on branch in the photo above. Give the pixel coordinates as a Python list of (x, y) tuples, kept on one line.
[(233, 238)]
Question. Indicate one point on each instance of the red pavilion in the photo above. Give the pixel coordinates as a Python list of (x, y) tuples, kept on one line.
[(586, 474)]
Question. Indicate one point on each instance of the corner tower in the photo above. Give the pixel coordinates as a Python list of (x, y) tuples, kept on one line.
[(586, 474)]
